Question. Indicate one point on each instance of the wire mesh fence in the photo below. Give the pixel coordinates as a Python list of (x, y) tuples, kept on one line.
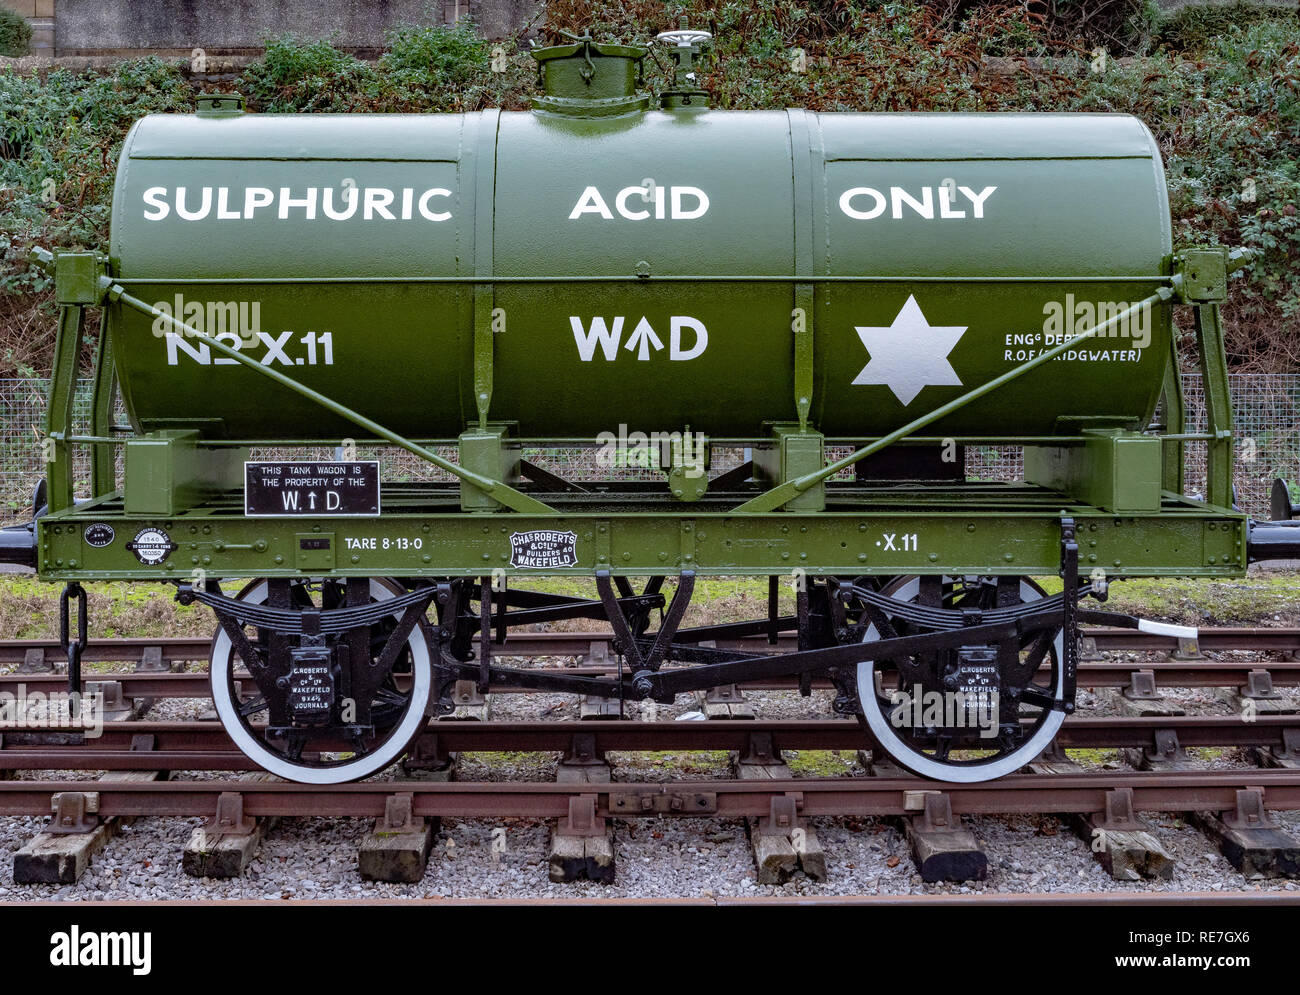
[(1266, 408), (1266, 417)]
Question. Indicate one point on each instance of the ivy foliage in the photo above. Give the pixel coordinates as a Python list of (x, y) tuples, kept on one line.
[(1218, 86)]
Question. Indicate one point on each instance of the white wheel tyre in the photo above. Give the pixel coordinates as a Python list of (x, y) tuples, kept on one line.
[(967, 773), (392, 746)]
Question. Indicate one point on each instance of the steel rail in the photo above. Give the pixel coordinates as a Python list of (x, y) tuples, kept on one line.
[(569, 643), (206, 746), (1093, 672), (1181, 791)]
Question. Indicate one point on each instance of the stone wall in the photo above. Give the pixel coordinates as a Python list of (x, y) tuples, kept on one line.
[(41, 15), (176, 27)]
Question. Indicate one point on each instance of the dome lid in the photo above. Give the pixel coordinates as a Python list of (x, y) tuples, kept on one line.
[(590, 79)]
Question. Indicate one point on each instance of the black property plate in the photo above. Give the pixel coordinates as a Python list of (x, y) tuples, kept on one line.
[(315, 490)]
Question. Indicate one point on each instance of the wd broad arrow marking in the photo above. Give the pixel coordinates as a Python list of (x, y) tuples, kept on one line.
[(909, 354), (605, 336)]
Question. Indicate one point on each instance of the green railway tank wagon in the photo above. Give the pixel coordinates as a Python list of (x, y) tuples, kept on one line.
[(900, 284)]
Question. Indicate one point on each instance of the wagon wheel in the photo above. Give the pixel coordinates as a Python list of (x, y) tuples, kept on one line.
[(397, 706), (956, 751)]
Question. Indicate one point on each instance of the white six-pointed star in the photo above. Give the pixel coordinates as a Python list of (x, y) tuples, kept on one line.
[(909, 354)]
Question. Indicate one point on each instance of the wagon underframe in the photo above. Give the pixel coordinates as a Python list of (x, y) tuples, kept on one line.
[(989, 529)]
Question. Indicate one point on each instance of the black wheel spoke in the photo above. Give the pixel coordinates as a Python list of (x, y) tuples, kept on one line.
[(387, 696), (347, 750), (1034, 659)]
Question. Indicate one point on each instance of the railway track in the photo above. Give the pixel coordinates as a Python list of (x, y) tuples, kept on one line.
[(1186, 667), (175, 648), (1085, 793), (144, 761), (146, 745)]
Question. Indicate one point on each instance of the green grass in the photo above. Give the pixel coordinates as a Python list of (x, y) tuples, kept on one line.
[(686, 761), (1260, 598), (29, 607), (821, 763), (29, 610), (503, 758)]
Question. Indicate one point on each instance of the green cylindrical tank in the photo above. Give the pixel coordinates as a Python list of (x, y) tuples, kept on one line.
[(638, 267)]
